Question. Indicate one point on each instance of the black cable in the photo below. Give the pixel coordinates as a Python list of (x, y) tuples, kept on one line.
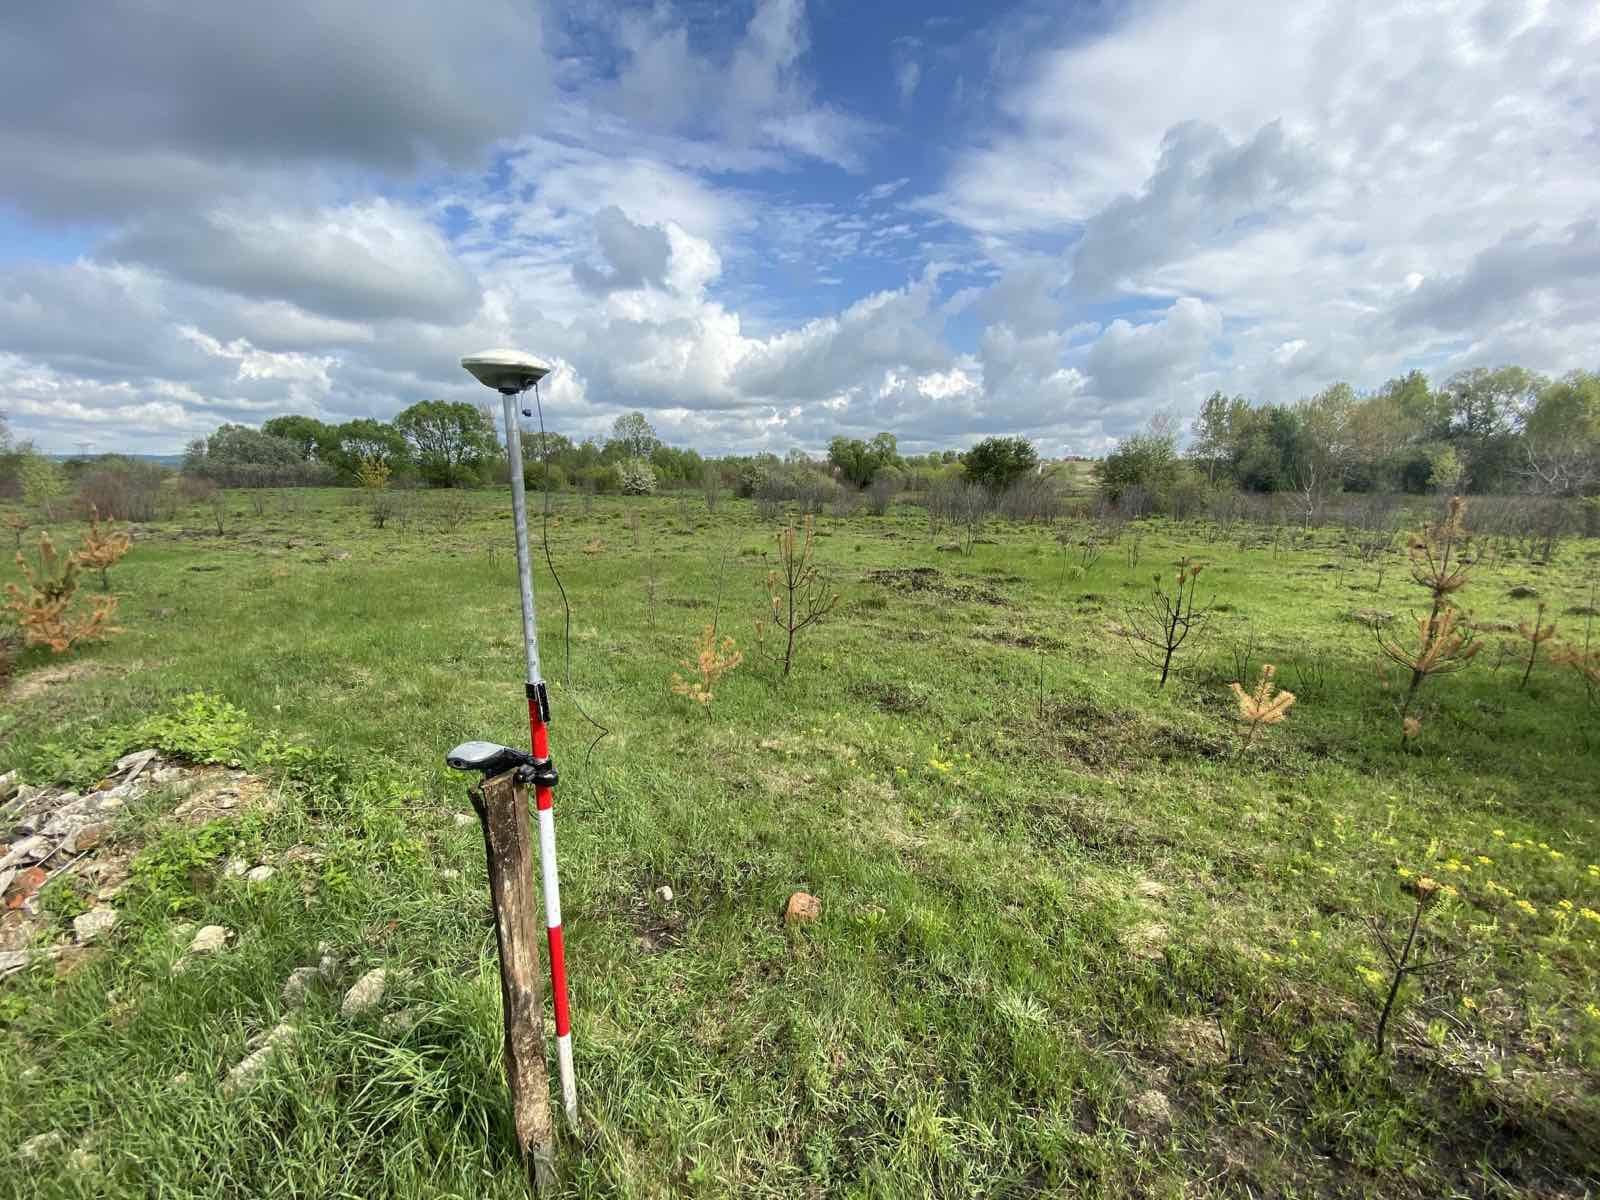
[(566, 649)]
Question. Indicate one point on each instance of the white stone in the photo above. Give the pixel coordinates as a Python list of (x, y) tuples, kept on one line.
[(29, 849), (449, 873), (90, 925), (137, 761), (249, 1069), (12, 961), (365, 993), (260, 874), (298, 986), (8, 785), (664, 894), (210, 939), (465, 819)]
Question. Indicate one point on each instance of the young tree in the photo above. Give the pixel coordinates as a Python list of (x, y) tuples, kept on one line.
[(1148, 460), (450, 440), (798, 590), (1157, 629), (43, 482), (997, 462), (1561, 436)]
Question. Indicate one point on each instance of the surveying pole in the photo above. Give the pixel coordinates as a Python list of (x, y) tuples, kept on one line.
[(511, 372)]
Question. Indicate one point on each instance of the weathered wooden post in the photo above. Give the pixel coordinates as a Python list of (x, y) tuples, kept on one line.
[(502, 804)]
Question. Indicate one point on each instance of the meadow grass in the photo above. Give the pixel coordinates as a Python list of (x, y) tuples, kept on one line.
[(1073, 940)]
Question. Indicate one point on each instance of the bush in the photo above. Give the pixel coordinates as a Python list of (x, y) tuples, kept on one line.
[(123, 489), (636, 477), (603, 481)]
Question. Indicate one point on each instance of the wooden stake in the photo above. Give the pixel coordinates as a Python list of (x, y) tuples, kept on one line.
[(502, 804)]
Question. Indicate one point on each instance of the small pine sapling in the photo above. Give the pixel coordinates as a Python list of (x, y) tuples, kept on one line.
[(41, 606), (101, 549), (1265, 705), (1536, 635), (711, 662), (1444, 643), (1157, 628), (798, 590)]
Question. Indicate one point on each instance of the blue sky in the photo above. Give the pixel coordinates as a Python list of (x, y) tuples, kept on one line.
[(767, 222)]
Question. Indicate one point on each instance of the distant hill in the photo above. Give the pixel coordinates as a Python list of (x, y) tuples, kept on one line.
[(166, 460)]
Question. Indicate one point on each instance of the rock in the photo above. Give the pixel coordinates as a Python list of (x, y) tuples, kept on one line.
[(41, 1147), (329, 964), (1523, 592), (449, 874), (24, 886), (210, 939), (8, 785), (29, 849), (12, 961), (1152, 1110), (90, 925), (249, 1070), (664, 894), (166, 775), (6, 877), (302, 854), (1373, 618), (365, 993), (464, 819), (234, 868), (87, 837), (137, 761), (803, 908), (297, 988), (260, 874)]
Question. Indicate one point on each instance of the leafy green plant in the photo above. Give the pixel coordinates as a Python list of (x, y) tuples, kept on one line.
[(200, 728), (64, 898), (168, 872)]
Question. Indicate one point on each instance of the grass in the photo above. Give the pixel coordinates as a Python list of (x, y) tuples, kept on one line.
[(1052, 894)]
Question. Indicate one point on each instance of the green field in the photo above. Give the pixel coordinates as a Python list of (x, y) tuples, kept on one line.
[(1073, 940)]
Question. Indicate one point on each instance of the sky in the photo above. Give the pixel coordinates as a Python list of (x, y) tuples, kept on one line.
[(766, 223)]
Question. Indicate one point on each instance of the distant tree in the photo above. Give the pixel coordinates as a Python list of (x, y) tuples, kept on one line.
[(239, 445), (1484, 406), (316, 441), (854, 459), (997, 462), (1148, 460), (631, 437), (1215, 429), (450, 441), (1561, 436), (365, 440)]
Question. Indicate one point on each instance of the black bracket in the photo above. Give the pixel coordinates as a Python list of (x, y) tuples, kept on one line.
[(539, 693), (541, 772)]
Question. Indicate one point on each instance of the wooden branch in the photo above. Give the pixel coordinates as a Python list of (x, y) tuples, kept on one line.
[(502, 804)]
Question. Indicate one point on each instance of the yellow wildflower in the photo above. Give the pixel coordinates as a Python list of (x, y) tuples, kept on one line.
[(1565, 905), (1485, 860), (1527, 908), (1557, 854), (1499, 833), (1589, 914)]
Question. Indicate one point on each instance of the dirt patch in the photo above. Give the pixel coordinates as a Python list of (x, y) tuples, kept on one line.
[(1021, 638), (932, 581), (36, 683)]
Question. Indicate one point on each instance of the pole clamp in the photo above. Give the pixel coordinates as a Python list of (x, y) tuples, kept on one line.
[(541, 772)]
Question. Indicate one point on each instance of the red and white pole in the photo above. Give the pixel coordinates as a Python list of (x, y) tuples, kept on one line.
[(544, 772)]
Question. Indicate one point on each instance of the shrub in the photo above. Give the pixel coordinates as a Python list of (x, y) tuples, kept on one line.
[(101, 549), (636, 477)]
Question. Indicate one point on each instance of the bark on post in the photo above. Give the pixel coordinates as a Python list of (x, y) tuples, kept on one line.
[(502, 804)]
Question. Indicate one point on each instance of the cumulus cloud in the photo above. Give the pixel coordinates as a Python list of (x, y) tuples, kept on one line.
[(635, 255), (118, 103), (371, 260)]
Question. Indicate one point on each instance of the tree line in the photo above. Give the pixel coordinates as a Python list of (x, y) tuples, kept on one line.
[(1501, 431)]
